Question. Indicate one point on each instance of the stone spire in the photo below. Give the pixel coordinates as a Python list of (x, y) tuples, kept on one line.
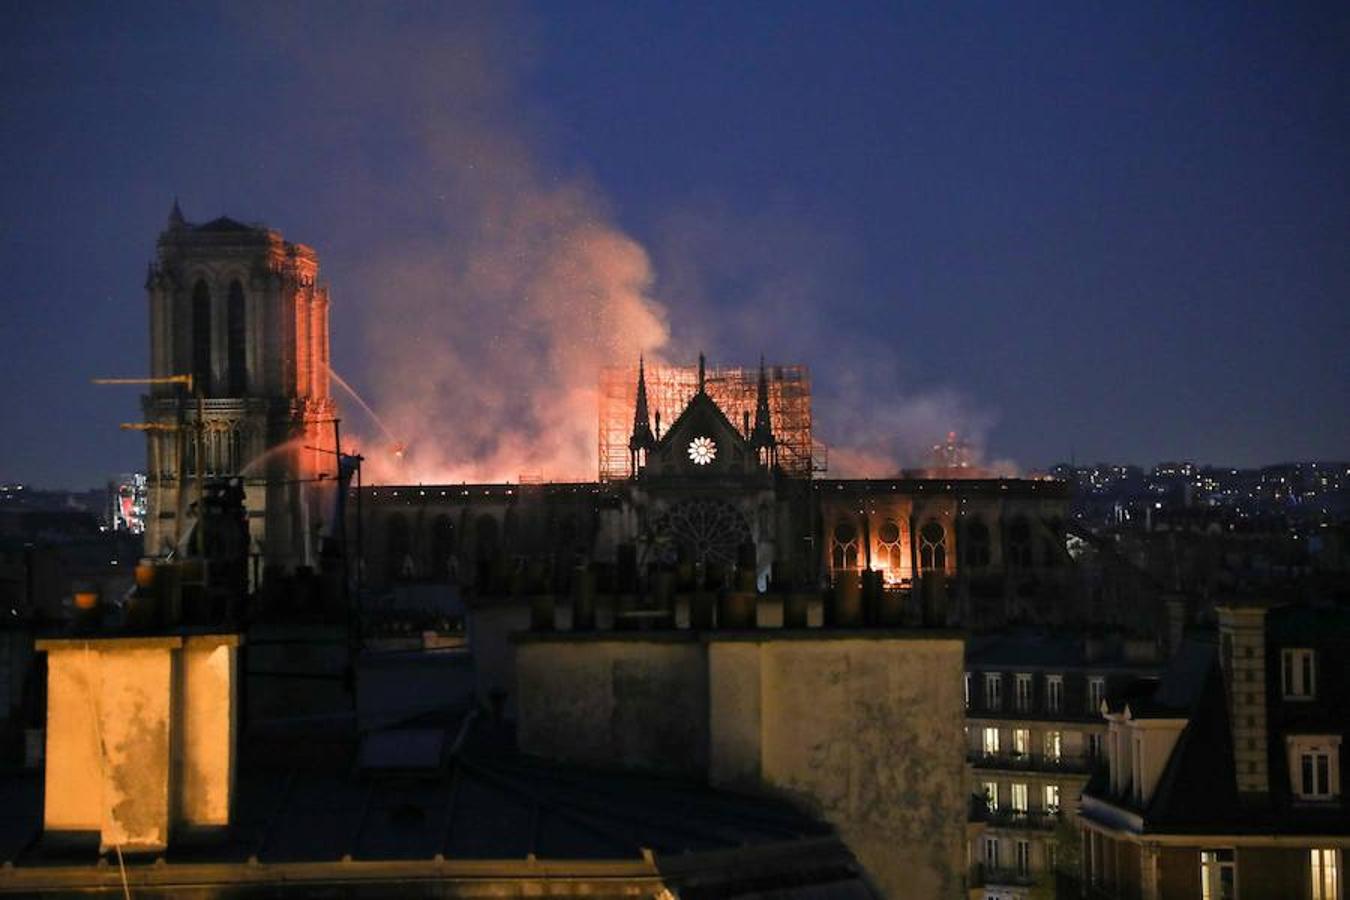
[(761, 436), (702, 373), (176, 219), (642, 439)]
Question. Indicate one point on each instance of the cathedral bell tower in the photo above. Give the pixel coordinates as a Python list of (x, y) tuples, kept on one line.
[(241, 311)]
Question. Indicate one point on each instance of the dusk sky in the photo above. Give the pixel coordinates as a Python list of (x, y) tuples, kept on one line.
[(1117, 232)]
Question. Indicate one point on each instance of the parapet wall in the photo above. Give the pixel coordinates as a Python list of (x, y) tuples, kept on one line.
[(861, 727)]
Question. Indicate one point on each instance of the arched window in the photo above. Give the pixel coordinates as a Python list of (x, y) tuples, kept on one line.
[(1019, 542), (844, 554), (890, 551), (201, 337), (489, 537), (977, 544), (932, 546), (442, 546), (398, 545), (236, 333)]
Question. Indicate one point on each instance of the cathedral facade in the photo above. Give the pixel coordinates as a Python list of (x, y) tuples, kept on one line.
[(707, 503), (240, 386)]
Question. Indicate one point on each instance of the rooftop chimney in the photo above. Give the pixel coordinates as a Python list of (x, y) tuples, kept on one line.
[(1242, 653)]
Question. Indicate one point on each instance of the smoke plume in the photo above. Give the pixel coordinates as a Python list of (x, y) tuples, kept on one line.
[(493, 283)]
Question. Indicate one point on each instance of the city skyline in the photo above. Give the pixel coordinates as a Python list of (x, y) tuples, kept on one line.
[(1100, 237)]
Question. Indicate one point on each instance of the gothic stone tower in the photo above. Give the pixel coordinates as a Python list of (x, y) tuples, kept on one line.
[(240, 310)]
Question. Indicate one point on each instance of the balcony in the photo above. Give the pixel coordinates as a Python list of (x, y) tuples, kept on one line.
[(1026, 762), (1033, 820), (982, 875)]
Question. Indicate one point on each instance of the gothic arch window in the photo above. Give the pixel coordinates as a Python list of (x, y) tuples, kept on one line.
[(442, 546), (977, 544), (398, 544), (201, 337), (891, 550), (236, 332), (932, 546), (844, 546), (489, 537), (1019, 542)]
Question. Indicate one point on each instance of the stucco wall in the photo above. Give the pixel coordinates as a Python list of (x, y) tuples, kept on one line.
[(635, 703), (140, 736), (864, 730)]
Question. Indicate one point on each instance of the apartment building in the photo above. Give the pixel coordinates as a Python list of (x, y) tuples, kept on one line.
[(1034, 735), (1226, 781)]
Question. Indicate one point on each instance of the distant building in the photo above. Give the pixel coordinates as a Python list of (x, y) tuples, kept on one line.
[(1226, 779)]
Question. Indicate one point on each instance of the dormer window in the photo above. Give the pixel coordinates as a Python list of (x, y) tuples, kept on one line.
[(1096, 692), (1022, 697), (1299, 673), (1054, 693), (993, 690), (1314, 766)]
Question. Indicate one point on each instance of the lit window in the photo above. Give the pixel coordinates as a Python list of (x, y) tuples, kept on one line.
[(1324, 875), (993, 690), (1054, 745), (1021, 741), (967, 690), (1054, 693), (1096, 691), (1218, 875), (1299, 674), (1052, 798), (1313, 772), (1022, 692), (1024, 857), (990, 742), (1019, 798)]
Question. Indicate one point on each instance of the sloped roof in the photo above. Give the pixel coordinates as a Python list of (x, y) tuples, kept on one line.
[(226, 224)]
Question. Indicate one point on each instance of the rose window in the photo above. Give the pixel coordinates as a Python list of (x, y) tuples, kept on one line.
[(705, 530), (702, 451)]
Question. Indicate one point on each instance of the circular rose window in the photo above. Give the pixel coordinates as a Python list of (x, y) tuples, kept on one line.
[(702, 451)]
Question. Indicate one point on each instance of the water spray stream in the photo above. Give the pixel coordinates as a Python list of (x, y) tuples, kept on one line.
[(398, 445)]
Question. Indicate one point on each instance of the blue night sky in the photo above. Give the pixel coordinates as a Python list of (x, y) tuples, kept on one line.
[(1118, 232)]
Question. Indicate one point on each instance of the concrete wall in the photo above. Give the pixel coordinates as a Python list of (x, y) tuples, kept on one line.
[(864, 729)]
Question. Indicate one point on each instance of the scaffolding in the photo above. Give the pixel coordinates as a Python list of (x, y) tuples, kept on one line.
[(733, 388)]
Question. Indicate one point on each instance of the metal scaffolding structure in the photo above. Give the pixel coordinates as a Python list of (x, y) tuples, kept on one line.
[(732, 388)]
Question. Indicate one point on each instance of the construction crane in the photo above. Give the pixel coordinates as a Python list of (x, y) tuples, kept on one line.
[(179, 428)]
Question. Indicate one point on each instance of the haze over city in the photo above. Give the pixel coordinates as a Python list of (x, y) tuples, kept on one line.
[(1102, 234)]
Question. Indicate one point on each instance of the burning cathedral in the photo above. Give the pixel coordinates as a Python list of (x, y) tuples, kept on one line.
[(710, 607), (707, 476)]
